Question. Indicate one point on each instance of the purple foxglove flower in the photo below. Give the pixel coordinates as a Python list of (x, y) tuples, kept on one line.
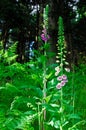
[(59, 78), (59, 86), (44, 36), (62, 83), (64, 77)]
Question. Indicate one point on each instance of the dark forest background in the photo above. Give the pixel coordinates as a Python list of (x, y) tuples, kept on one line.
[(22, 21)]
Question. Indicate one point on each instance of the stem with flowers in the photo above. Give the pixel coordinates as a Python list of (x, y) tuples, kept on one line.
[(45, 37), (61, 63)]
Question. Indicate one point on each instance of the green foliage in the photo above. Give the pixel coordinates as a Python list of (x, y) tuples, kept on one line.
[(21, 96), (21, 92), (29, 99)]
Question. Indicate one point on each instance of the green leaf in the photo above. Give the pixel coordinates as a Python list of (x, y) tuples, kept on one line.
[(50, 108), (57, 124), (74, 116), (52, 122), (47, 99), (55, 105), (49, 75)]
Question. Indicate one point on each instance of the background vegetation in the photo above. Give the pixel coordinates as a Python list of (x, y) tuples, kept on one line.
[(29, 99)]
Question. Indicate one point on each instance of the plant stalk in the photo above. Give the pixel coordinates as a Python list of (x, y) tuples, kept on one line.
[(39, 120), (44, 88)]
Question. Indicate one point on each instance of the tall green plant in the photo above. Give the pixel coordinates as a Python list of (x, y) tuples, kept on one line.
[(62, 79), (61, 68), (45, 38)]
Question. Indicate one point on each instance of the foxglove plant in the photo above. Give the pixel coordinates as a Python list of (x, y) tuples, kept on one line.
[(61, 58), (45, 37), (60, 70), (61, 74)]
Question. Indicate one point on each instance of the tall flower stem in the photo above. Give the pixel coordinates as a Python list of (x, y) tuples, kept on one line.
[(60, 68), (44, 89), (45, 37), (61, 65), (60, 47)]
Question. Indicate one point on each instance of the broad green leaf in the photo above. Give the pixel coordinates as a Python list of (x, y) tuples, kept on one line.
[(74, 116), (47, 99)]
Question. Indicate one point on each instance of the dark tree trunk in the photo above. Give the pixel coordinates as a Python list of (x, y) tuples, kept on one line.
[(21, 47), (5, 35)]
